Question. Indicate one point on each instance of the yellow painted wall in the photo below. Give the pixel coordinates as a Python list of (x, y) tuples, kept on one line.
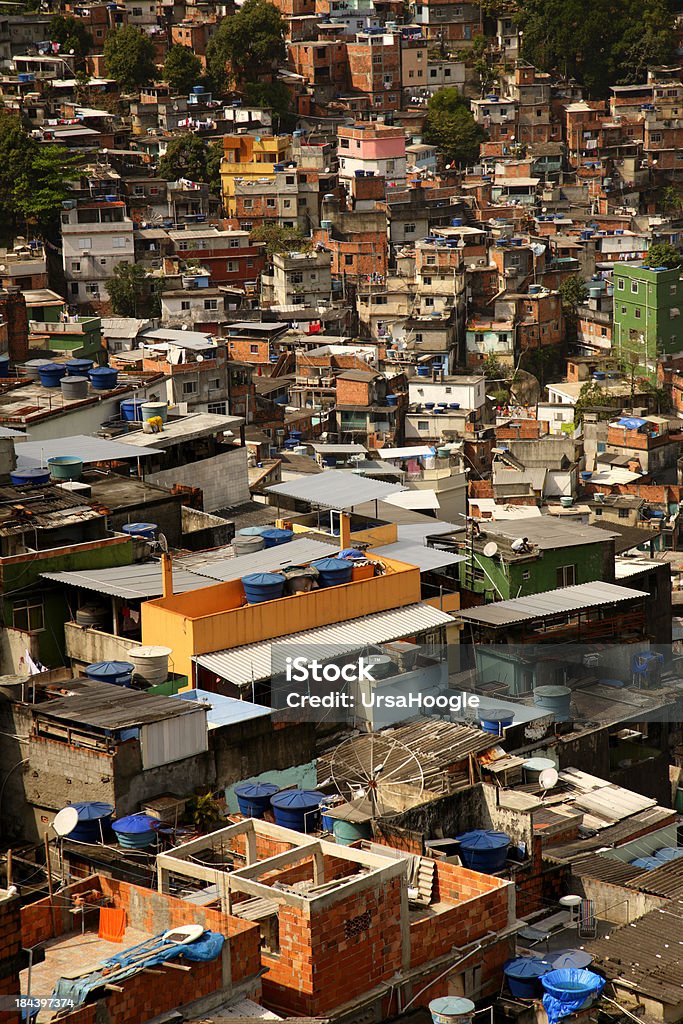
[(207, 620)]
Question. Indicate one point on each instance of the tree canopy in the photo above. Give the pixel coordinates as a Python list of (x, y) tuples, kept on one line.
[(450, 126), (34, 178), (129, 57), (248, 43), (126, 288), (663, 254), (71, 34), (214, 156), (185, 157), (279, 239), (598, 42), (182, 69)]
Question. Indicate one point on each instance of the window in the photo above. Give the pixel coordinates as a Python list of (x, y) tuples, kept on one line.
[(526, 575), (673, 289), (297, 277), (655, 137), (634, 287), (248, 203), (566, 575), (85, 243), (118, 243), (75, 265), (344, 143), (217, 408), (348, 259), (190, 387), (623, 513), (210, 304), (139, 190), (270, 203), (253, 349), (621, 284), (391, 165), (214, 385), (409, 229), (623, 310), (185, 305), (411, 74), (154, 190), (426, 280), (27, 614), (423, 424), (637, 313), (93, 288)]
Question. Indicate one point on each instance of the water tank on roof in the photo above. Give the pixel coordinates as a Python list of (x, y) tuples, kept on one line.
[(252, 531), (263, 586), (118, 672), (254, 798), (668, 853), (135, 832), (74, 388), (248, 545), (150, 664), (94, 822), (4, 366), (298, 809), (646, 863), (333, 571), (65, 467), (103, 378), (554, 698), (495, 720), (78, 367), (452, 1010), (484, 850), (392, 400), (29, 477), (523, 975), (570, 989), (51, 373), (273, 538), (456, 222)]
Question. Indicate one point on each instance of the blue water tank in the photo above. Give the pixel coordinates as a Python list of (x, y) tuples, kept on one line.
[(298, 809), (392, 400), (351, 553), (495, 720), (586, 475), (523, 975), (484, 850), (429, 405), (51, 374), (599, 375), (78, 367), (423, 371), (263, 586), (103, 378), (118, 672), (145, 530), (456, 222), (452, 1010), (24, 477), (454, 405), (4, 366), (273, 538), (131, 409), (252, 531), (253, 798), (94, 822), (135, 832), (572, 958), (333, 571)]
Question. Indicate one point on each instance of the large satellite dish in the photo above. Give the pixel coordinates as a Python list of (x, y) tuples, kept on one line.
[(65, 821), (491, 549), (379, 770), (548, 778)]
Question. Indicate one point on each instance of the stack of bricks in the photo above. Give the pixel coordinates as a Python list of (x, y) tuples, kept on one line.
[(10, 956)]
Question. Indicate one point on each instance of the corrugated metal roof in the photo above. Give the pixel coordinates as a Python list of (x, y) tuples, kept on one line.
[(417, 533), (550, 533), (666, 881), (195, 340), (253, 662), (554, 602), (426, 559), (9, 432), (142, 580), (424, 499), (336, 488), (340, 449), (607, 869), (646, 953), (297, 552), (108, 707), (89, 449), (409, 452)]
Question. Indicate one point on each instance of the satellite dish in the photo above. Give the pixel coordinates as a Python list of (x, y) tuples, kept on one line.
[(548, 778), (381, 770), (491, 549), (65, 821), (200, 357), (163, 543)]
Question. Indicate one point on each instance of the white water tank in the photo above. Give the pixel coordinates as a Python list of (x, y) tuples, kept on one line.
[(150, 663)]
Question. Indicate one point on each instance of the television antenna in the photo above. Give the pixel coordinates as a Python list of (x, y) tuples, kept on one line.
[(376, 769)]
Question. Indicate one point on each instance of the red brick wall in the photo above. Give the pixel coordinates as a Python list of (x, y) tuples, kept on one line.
[(240, 350), (352, 392), (10, 950)]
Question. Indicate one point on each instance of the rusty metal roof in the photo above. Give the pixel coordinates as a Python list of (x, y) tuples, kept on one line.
[(666, 881), (647, 954)]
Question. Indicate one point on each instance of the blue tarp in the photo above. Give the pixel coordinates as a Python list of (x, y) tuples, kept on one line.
[(632, 423), (566, 991), (207, 947)]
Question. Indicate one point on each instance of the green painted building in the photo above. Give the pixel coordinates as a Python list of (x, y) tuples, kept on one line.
[(648, 320), (53, 329), (562, 553)]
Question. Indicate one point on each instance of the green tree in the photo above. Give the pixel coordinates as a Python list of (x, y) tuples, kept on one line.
[(214, 157), (599, 42), (663, 254), (71, 34), (573, 292), (671, 200), (185, 157), (275, 95), (250, 43), (34, 178), (127, 288), (450, 126), (129, 57), (182, 69), (279, 239), (592, 396)]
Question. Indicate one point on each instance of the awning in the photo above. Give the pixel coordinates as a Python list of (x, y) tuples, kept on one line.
[(253, 662)]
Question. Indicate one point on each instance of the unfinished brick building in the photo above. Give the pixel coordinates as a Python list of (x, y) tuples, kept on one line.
[(340, 925)]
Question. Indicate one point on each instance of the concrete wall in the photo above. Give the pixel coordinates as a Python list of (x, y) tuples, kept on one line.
[(87, 646), (222, 479), (614, 903), (202, 531)]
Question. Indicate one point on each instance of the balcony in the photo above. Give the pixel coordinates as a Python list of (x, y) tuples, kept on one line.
[(75, 325)]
